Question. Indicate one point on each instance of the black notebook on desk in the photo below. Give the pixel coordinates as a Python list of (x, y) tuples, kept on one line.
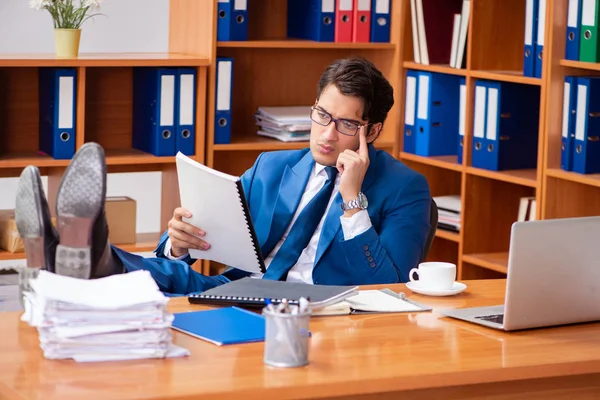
[(252, 292)]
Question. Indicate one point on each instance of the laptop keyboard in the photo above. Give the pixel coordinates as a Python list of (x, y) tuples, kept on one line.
[(497, 318)]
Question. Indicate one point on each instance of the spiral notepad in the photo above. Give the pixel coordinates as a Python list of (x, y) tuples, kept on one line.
[(218, 206)]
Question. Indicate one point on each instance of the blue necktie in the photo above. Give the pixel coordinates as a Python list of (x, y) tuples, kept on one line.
[(302, 230)]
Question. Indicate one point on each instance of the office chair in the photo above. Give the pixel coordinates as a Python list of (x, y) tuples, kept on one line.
[(433, 221)]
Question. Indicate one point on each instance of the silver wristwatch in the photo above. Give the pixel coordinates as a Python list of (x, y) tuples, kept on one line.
[(359, 202)]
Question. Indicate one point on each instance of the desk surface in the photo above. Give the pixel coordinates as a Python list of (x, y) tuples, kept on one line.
[(422, 353)]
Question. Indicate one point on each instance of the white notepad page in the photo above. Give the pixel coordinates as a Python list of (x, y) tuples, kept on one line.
[(214, 201)]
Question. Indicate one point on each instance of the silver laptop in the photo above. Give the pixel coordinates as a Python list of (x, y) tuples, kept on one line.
[(553, 277)]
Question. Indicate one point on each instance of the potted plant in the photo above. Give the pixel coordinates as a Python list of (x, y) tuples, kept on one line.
[(67, 16)]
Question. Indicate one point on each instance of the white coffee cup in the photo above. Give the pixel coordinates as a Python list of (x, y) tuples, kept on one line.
[(434, 275)]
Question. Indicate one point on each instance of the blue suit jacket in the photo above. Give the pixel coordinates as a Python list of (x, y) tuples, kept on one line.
[(399, 208)]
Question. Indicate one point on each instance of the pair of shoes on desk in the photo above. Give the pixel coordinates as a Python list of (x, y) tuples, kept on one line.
[(78, 247)]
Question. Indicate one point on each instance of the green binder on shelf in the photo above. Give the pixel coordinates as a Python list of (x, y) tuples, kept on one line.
[(588, 47)]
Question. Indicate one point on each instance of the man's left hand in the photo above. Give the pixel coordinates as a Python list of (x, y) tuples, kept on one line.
[(353, 166)]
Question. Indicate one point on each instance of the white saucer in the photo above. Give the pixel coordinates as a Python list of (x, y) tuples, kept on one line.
[(457, 287)]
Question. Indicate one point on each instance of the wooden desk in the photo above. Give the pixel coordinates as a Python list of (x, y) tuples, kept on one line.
[(422, 355)]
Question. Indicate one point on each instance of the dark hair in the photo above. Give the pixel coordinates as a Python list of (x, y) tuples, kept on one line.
[(357, 76)]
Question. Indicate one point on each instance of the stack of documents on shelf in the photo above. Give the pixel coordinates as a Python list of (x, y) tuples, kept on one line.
[(527, 209), (288, 124), (449, 209), (120, 317)]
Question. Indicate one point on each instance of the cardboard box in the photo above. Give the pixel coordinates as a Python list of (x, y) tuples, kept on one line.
[(10, 240), (121, 219)]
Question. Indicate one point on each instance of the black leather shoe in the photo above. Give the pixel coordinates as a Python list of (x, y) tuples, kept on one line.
[(84, 250), (34, 223)]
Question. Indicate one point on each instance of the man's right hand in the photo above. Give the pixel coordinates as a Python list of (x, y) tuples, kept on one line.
[(183, 235)]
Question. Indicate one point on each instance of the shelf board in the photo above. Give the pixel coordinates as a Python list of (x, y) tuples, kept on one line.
[(134, 156), (303, 44), (506, 76), (523, 177), (444, 69), (145, 242), (584, 179), (257, 142), (447, 235), (446, 162), (21, 160), (104, 60), (495, 261), (580, 64)]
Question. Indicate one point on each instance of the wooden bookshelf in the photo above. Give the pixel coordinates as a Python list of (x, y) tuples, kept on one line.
[(104, 103)]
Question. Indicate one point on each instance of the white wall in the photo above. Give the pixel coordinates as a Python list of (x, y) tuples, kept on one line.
[(127, 26)]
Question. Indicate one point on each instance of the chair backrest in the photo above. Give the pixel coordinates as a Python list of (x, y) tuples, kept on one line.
[(433, 221)]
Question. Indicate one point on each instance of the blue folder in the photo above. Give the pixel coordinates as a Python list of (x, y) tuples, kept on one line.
[(568, 123), (586, 155), (311, 20), (222, 326), (232, 20), (57, 105)]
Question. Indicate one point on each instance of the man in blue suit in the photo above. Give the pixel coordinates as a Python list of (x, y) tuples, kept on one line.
[(340, 212)]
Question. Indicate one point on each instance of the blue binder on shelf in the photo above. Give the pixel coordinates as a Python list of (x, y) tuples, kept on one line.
[(380, 21), (586, 157), (539, 37), (57, 111), (568, 122), (222, 326), (223, 92), (154, 108), (232, 20), (511, 126), (437, 114), (573, 33), (409, 144), (185, 139), (311, 20), (478, 156), (531, 28), (462, 118)]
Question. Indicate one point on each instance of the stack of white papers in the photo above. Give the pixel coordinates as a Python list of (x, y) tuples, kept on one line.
[(449, 210), (120, 317), (288, 124)]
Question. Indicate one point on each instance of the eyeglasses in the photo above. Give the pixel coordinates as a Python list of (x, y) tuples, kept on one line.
[(343, 126)]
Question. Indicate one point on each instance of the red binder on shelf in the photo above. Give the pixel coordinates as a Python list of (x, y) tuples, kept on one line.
[(361, 29), (343, 20)]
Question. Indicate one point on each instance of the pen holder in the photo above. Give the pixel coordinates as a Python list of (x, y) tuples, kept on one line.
[(286, 338)]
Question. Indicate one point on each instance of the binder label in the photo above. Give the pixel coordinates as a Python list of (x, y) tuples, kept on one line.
[(541, 22), (364, 5), (529, 22), (327, 6), (65, 102), (382, 7), (223, 84), (423, 96), (572, 14), (478, 126), (588, 13), (186, 99), (167, 99), (566, 109), (240, 5), (463, 110), (411, 93), (492, 113), (345, 5), (581, 112)]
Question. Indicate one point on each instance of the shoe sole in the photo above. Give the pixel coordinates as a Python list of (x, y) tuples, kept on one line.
[(29, 218), (80, 199)]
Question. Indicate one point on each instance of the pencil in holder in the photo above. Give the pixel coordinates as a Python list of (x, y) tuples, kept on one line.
[(287, 337)]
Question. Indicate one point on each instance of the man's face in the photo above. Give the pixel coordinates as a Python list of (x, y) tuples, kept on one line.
[(326, 143)]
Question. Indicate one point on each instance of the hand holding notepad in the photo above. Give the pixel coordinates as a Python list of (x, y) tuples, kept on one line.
[(218, 206)]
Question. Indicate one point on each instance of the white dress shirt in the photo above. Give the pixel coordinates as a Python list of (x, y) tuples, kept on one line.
[(351, 227)]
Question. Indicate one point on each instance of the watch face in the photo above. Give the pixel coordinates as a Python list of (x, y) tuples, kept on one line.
[(362, 200)]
